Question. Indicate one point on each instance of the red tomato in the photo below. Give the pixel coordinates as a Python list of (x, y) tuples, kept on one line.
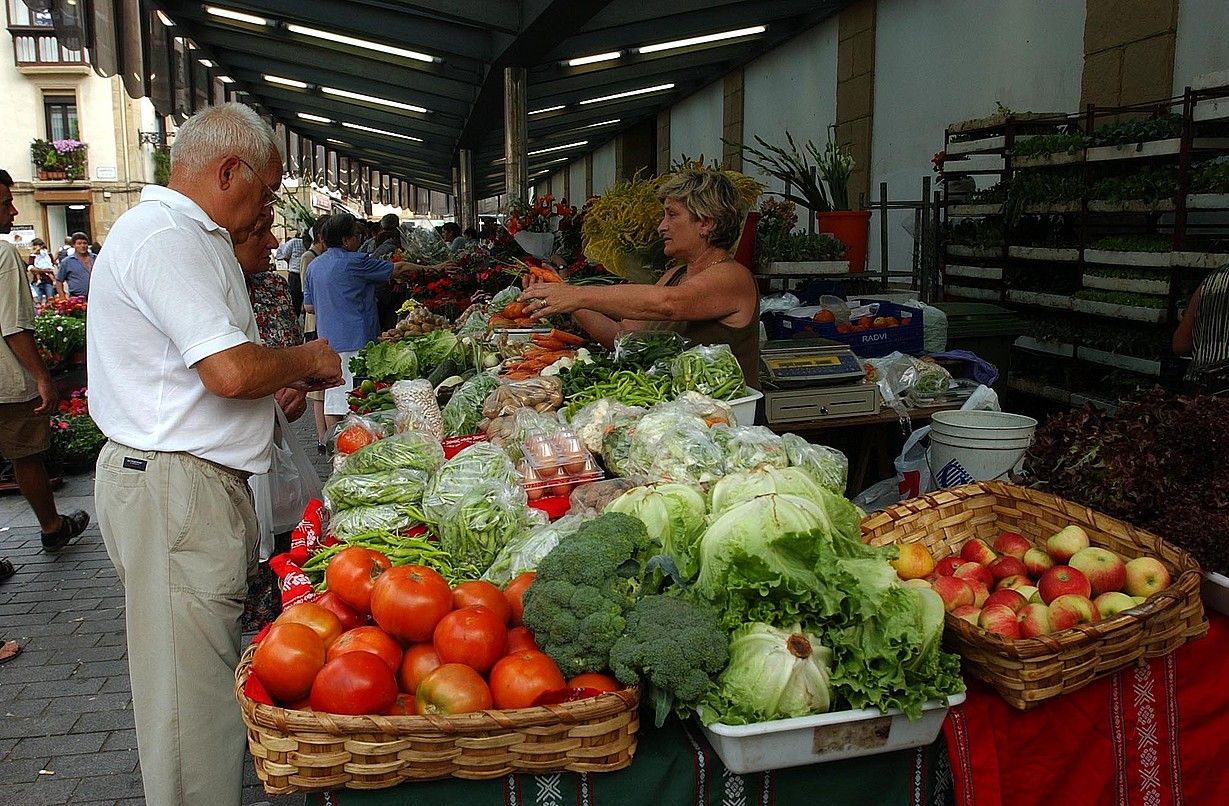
[(409, 601), (403, 706), (352, 438), (514, 592), (346, 614), (368, 639), (520, 639), (287, 659), (352, 573), (601, 682), (419, 661), (321, 619), (354, 683), (454, 688), (480, 592), (520, 678), (472, 635)]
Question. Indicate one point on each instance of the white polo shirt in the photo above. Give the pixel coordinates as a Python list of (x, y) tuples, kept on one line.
[(165, 293)]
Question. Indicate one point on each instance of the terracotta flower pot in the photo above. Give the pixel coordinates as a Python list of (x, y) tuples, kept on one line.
[(851, 228)]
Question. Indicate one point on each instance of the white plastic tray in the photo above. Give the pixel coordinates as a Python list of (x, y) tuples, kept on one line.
[(1215, 592), (744, 407), (824, 737)]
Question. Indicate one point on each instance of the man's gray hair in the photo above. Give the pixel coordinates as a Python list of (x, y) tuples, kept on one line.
[(229, 129)]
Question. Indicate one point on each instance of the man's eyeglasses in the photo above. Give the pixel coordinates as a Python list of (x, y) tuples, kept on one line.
[(272, 197)]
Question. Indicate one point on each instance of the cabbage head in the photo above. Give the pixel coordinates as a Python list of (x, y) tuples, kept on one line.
[(738, 488), (674, 515), (772, 674)]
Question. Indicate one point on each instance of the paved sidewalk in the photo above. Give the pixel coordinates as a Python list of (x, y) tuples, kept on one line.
[(66, 724)]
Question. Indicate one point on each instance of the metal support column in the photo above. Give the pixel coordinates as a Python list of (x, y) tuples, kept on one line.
[(516, 167), (467, 205)]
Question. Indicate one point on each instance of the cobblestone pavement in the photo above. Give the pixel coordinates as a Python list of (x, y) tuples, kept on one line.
[(66, 724)]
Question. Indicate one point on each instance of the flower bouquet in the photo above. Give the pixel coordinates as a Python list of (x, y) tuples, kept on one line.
[(73, 306), (533, 224)]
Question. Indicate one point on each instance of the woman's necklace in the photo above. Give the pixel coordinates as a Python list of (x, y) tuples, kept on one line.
[(696, 266)]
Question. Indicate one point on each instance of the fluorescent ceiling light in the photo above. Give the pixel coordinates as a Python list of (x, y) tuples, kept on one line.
[(225, 79), (628, 94), (350, 125), (335, 142), (207, 62), (700, 40), (165, 20), (285, 82), (239, 16), (358, 96), (547, 109), (314, 118), (595, 58), (577, 144), (603, 123), (358, 43)]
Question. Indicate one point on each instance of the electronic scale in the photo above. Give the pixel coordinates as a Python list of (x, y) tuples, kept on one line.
[(816, 378)]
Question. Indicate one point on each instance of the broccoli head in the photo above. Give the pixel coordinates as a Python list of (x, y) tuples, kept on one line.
[(677, 645), (576, 604)]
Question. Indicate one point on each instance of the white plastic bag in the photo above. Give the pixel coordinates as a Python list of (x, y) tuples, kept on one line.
[(280, 495)]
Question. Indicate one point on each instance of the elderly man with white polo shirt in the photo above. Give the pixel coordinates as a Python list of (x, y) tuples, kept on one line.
[(184, 390)]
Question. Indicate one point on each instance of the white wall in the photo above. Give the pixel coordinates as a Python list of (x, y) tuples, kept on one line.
[(576, 181), (940, 61), (695, 125), (1202, 46), (792, 88), (603, 168)]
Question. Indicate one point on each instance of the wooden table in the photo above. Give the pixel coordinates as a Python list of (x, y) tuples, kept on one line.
[(878, 439)]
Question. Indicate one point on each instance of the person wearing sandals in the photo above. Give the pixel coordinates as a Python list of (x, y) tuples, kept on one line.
[(28, 396)]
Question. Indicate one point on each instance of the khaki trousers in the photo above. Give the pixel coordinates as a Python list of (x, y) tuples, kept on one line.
[(183, 536)]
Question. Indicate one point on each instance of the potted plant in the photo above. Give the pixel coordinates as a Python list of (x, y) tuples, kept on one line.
[(533, 224), (59, 159), (821, 179), (75, 437), (781, 250)]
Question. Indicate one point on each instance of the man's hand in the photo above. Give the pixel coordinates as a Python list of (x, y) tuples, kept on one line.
[(293, 402), (325, 367), (49, 395)]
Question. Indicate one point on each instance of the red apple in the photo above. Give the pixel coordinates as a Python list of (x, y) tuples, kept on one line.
[(1105, 570), (976, 551), (980, 592), (1061, 580), (1146, 576), (954, 592), (1064, 543), (973, 570), (1034, 620), (1012, 544), (999, 619), (1037, 562), (1030, 593), (1013, 582), (948, 565), (1011, 598), (1008, 566), (967, 612), (1112, 603), (1071, 609)]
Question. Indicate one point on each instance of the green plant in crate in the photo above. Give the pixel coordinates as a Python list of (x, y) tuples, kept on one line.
[(1210, 177), (58, 337), (1147, 186), (75, 437), (1162, 127), (1043, 145)]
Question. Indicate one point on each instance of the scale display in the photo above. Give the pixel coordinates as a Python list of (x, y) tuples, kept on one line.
[(795, 363)]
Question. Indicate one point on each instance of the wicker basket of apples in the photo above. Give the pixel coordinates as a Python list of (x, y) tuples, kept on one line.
[(1043, 595)]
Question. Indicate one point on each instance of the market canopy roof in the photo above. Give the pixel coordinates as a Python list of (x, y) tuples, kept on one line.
[(402, 86)]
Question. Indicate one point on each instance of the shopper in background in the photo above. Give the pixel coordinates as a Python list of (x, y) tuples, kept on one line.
[(450, 231), (184, 391), (1203, 333), (314, 250), (41, 271), (292, 252), (28, 397), (388, 239), (73, 278), (341, 292), (66, 249)]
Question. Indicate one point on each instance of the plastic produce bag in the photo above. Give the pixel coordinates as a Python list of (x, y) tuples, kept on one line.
[(388, 487), (780, 302), (523, 552), (416, 405), (540, 394), (479, 462), (828, 466), (463, 412), (590, 500), (384, 517), (903, 379), (671, 445), (708, 409), (749, 447), (592, 422), (413, 450), (482, 519), (281, 495), (360, 429), (423, 246), (710, 369), (650, 350)]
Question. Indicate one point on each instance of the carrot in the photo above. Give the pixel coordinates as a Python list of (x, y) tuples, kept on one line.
[(549, 344), (519, 375), (544, 274), (566, 337), (500, 321), (526, 321), (513, 310)]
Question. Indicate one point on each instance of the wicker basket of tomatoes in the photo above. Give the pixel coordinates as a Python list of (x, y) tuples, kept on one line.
[(331, 702)]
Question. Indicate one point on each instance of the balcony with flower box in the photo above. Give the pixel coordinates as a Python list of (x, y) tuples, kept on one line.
[(59, 160)]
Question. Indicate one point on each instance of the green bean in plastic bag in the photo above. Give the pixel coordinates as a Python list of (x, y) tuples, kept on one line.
[(710, 369), (485, 517), (524, 551), (412, 450), (388, 487), (386, 517), (464, 411), (479, 462)]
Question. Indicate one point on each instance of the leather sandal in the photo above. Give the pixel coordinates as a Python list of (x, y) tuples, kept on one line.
[(71, 527)]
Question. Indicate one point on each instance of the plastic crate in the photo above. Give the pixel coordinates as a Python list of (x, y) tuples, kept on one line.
[(873, 343)]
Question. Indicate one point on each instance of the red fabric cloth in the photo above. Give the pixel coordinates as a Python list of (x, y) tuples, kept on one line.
[(1150, 735)]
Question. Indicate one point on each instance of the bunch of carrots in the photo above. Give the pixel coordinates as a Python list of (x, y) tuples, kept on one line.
[(545, 349), (515, 314)]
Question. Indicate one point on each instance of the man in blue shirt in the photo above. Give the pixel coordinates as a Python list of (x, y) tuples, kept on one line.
[(73, 278), (341, 291)]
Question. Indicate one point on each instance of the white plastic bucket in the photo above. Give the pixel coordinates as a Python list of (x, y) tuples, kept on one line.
[(967, 446)]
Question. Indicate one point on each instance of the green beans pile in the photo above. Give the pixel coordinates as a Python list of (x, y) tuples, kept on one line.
[(399, 550), (632, 388)]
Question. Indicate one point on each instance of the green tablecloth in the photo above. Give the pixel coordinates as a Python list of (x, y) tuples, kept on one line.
[(675, 766)]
